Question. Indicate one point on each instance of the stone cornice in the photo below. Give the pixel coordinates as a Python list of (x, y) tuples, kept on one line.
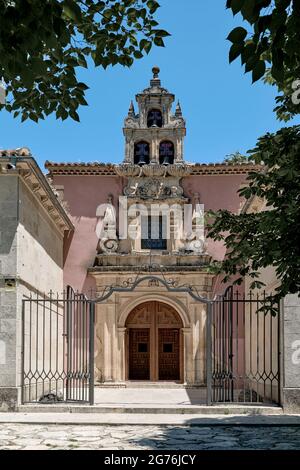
[(173, 269), (109, 169), (28, 170)]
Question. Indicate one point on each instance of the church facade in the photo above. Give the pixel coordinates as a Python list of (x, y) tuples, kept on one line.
[(134, 330), (94, 226)]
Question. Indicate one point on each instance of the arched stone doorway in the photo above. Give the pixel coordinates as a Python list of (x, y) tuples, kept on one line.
[(154, 345)]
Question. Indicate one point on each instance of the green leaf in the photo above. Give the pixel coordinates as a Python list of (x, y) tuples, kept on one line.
[(152, 5), (235, 5), (235, 51), (258, 71), (146, 45), (72, 10), (159, 42), (74, 116), (161, 33), (138, 55), (237, 35)]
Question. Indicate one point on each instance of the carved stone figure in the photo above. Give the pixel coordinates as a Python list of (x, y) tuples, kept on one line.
[(109, 241)]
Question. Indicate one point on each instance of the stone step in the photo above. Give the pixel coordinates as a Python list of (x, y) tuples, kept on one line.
[(148, 385), (153, 409), (117, 419)]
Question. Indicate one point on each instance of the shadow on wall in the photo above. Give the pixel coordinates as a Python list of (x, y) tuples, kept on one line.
[(8, 213)]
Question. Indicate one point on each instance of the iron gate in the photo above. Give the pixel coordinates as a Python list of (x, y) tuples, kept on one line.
[(244, 348), (242, 345), (58, 349)]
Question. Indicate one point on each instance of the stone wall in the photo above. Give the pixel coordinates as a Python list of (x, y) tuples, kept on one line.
[(291, 354), (110, 326), (31, 262), (8, 297)]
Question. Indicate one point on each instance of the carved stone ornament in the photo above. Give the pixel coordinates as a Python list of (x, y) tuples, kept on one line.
[(128, 170), (153, 170), (179, 170), (109, 242), (152, 188), (108, 245), (131, 123)]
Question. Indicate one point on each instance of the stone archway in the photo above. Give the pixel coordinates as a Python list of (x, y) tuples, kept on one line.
[(154, 343)]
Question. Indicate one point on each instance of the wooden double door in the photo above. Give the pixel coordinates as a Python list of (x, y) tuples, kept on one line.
[(154, 343)]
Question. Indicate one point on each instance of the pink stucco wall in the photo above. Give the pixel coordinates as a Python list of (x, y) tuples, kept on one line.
[(216, 192), (85, 193)]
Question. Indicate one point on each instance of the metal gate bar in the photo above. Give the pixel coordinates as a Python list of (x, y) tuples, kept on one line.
[(242, 345), (58, 348), (245, 348)]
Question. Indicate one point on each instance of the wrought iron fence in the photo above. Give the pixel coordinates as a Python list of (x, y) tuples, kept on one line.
[(245, 348), (242, 348), (57, 348)]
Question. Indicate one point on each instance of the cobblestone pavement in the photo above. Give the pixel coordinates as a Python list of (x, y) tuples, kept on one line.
[(148, 437)]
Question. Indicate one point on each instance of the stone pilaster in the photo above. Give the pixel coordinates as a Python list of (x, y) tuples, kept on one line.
[(188, 356), (121, 348)]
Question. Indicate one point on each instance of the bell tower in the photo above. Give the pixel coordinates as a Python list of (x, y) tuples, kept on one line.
[(154, 135)]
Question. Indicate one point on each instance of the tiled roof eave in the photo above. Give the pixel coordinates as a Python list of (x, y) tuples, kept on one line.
[(109, 169)]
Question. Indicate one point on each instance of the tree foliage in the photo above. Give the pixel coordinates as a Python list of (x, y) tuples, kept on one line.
[(43, 42), (271, 47), (271, 237), (236, 158)]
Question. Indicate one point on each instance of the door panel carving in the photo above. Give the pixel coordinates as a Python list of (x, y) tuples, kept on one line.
[(154, 347), (139, 354), (168, 354)]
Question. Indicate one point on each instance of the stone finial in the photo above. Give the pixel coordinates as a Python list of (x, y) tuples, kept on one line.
[(131, 111), (178, 112), (156, 80), (155, 71), (196, 198)]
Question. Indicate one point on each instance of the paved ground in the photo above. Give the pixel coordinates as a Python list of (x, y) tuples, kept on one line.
[(151, 396), (148, 437)]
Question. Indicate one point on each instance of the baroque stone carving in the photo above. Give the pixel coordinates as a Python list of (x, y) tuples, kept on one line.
[(179, 170), (131, 123), (154, 170), (169, 126), (153, 188), (109, 242), (128, 170), (109, 245)]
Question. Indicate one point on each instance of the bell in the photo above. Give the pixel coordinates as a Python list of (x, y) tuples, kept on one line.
[(142, 160), (167, 160)]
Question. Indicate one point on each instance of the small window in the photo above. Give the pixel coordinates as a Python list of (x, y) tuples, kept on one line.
[(154, 118), (141, 153), (166, 153), (154, 233), (168, 347), (142, 347)]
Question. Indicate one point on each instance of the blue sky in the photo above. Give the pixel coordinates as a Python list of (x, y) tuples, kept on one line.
[(224, 111)]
